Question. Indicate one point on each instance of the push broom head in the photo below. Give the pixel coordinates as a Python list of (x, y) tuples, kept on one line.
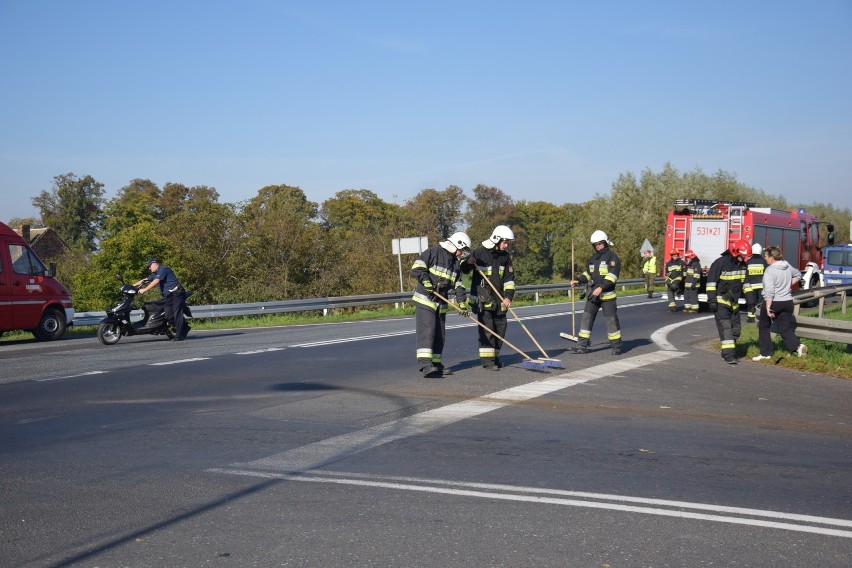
[(553, 363), (534, 364)]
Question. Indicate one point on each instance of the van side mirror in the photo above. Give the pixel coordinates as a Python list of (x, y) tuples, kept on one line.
[(51, 270)]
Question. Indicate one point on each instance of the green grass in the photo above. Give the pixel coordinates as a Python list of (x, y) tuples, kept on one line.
[(824, 357)]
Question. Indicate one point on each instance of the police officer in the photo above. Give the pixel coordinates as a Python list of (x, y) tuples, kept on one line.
[(601, 275), (691, 282), (172, 291), (437, 269), (753, 288), (725, 282), (492, 261), (649, 269), (675, 268)]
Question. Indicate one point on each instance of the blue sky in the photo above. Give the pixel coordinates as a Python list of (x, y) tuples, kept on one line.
[(547, 100)]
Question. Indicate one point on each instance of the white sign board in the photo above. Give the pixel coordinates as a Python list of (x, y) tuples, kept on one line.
[(708, 238), (410, 245)]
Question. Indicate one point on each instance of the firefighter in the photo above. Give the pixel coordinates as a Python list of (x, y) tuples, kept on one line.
[(675, 269), (725, 282), (649, 269), (754, 281), (692, 282), (492, 260), (600, 276), (437, 269)]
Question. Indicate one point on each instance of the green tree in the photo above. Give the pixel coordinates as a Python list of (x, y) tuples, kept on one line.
[(125, 254), (488, 207), (72, 208), (436, 214), (540, 238), (137, 202), (280, 254), (204, 237)]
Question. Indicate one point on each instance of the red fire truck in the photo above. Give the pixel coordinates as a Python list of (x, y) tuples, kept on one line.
[(708, 227)]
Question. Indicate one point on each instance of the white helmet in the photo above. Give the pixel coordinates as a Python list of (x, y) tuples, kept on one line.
[(599, 236), (500, 233), (458, 241), (756, 248)]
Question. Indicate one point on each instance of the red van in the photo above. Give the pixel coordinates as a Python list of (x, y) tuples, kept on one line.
[(30, 297)]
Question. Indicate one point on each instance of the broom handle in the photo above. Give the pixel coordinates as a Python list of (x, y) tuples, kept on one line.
[(493, 287), (573, 317), (483, 326)]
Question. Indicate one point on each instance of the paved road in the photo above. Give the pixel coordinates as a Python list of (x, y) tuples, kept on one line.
[(320, 446)]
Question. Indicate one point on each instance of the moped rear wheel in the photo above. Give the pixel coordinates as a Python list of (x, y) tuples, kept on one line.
[(109, 333)]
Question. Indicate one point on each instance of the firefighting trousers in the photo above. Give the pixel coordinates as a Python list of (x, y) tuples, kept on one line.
[(613, 328), (430, 326), (690, 299), (674, 290), (728, 325), (489, 345)]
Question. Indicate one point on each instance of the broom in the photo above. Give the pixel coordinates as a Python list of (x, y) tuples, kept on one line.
[(547, 359), (572, 336), (528, 361)]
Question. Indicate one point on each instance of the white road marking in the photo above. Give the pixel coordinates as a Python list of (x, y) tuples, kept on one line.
[(333, 449), (256, 351), (72, 376), (561, 497), (660, 337), (175, 362)]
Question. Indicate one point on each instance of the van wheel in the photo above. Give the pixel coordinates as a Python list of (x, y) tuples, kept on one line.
[(51, 326), (109, 333)]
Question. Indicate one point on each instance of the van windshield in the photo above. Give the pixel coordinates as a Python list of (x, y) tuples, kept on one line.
[(24, 261)]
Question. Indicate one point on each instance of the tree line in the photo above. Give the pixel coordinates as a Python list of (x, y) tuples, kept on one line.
[(280, 245)]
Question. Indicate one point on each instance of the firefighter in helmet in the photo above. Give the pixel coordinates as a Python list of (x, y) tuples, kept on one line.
[(725, 282), (675, 269), (691, 282), (437, 269), (493, 262), (754, 281), (600, 277)]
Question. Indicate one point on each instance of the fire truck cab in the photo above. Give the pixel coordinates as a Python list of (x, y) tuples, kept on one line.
[(709, 227)]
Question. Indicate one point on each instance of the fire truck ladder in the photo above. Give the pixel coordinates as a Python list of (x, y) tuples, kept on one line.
[(735, 223), (680, 233)]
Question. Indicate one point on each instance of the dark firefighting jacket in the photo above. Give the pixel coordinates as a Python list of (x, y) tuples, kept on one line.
[(603, 270), (441, 269), (496, 265), (675, 273), (754, 278), (725, 280), (693, 274)]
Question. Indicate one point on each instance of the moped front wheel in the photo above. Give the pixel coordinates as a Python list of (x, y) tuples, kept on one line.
[(109, 333)]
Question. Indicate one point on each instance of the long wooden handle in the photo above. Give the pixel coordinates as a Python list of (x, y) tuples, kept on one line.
[(493, 287), (480, 324), (573, 317)]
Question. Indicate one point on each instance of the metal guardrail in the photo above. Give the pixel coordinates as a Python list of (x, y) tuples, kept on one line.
[(824, 329), (320, 304)]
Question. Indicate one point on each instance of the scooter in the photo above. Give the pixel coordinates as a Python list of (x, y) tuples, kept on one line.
[(117, 321)]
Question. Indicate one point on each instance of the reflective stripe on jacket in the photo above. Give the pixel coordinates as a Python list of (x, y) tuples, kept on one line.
[(604, 268), (725, 280), (441, 268)]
